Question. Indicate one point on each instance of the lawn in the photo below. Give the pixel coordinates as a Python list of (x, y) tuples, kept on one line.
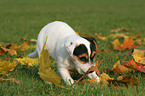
[(20, 18)]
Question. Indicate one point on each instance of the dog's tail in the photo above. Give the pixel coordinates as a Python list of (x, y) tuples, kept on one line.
[(33, 55)]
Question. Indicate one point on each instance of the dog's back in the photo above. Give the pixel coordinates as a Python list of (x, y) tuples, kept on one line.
[(55, 32)]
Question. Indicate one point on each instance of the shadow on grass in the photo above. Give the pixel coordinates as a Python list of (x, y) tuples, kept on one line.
[(30, 72)]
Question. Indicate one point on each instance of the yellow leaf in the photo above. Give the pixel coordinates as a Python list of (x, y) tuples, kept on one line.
[(119, 29), (102, 37), (139, 58), (28, 61), (136, 51), (116, 64), (104, 77), (138, 55), (6, 66), (45, 72), (33, 46), (24, 46), (116, 43)]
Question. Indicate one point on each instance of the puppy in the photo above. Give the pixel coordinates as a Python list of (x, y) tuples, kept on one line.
[(68, 49)]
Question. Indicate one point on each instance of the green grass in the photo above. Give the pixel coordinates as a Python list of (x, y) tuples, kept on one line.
[(21, 17)]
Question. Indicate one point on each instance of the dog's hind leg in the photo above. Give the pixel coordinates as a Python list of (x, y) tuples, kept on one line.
[(33, 55)]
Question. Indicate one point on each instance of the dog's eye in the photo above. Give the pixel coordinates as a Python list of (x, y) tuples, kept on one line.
[(83, 59)]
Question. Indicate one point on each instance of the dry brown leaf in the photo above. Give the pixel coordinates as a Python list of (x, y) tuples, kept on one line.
[(10, 79), (119, 29), (117, 68), (94, 68), (118, 35), (128, 79), (9, 51), (12, 46), (124, 80)]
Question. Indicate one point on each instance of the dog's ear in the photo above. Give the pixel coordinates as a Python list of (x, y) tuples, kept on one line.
[(92, 41), (70, 46)]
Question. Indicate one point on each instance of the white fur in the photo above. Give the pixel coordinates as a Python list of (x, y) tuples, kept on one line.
[(61, 43)]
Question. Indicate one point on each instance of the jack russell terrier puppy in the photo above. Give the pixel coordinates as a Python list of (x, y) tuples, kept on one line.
[(68, 49)]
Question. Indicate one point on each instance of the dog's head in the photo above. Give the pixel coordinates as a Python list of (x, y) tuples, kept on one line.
[(82, 51)]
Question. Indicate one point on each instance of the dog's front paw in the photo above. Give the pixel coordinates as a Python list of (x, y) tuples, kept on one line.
[(94, 76), (70, 82)]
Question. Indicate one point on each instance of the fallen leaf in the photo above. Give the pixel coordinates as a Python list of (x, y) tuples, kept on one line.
[(24, 46), (119, 29), (139, 41), (124, 80), (100, 36), (139, 58), (12, 46), (136, 51), (128, 79), (28, 61), (116, 43), (45, 72), (118, 35), (6, 65), (10, 79), (117, 68), (33, 40), (141, 68), (127, 44), (132, 64), (4, 50), (94, 68), (104, 78)]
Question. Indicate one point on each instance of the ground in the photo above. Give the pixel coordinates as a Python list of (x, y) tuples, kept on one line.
[(20, 18)]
